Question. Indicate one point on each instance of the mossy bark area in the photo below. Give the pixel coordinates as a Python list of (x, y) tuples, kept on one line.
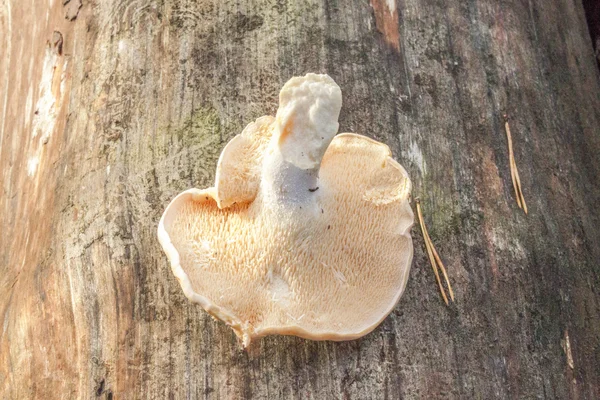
[(150, 94)]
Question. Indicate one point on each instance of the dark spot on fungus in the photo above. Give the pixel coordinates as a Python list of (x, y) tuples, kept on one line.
[(322, 211), (206, 197), (328, 226), (313, 190)]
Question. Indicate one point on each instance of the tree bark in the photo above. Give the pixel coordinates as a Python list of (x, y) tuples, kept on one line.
[(109, 110)]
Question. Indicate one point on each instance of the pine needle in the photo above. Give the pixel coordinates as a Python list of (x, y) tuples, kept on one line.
[(434, 257), (514, 172), (440, 264)]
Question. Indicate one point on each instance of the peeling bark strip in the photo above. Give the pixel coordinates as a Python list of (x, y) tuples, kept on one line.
[(386, 21), (57, 42), (154, 89), (72, 8)]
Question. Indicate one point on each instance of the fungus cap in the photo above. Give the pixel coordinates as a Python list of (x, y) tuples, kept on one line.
[(305, 233)]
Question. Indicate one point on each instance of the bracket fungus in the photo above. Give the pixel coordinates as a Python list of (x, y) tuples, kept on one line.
[(304, 233)]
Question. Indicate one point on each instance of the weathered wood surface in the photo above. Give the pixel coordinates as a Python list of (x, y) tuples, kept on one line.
[(145, 95)]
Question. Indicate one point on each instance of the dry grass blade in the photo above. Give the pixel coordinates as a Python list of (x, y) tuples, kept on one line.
[(434, 258), (514, 172)]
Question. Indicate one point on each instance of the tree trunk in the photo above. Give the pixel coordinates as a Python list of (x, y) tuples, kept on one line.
[(130, 102)]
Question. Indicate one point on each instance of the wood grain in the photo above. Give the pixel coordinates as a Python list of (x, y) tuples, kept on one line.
[(151, 92)]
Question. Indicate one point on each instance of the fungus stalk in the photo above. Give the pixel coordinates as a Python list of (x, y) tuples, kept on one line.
[(305, 125)]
